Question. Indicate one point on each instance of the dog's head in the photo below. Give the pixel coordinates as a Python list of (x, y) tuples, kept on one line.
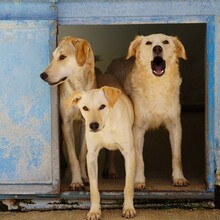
[(69, 58), (95, 105), (156, 52)]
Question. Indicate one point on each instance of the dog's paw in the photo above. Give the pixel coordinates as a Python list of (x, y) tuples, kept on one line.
[(76, 187), (180, 182), (129, 213), (140, 186), (93, 216), (85, 181)]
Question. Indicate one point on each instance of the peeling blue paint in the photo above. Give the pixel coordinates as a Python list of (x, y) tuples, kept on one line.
[(25, 137), (26, 10), (9, 162), (211, 102), (124, 12)]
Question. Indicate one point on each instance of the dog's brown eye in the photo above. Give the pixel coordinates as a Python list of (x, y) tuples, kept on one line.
[(165, 42), (62, 57), (148, 43), (101, 107), (85, 108)]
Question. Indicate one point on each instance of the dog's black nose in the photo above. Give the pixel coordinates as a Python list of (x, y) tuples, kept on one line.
[(43, 75), (94, 126), (157, 49)]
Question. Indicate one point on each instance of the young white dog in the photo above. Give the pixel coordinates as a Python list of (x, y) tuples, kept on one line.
[(150, 76), (109, 119)]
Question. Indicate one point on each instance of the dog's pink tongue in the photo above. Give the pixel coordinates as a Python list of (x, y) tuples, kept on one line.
[(158, 70)]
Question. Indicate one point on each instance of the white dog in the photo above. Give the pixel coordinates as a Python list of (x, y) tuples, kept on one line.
[(151, 78), (109, 119), (72, 68)]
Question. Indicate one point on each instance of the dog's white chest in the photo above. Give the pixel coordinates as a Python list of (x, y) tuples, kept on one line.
[(156, 102)]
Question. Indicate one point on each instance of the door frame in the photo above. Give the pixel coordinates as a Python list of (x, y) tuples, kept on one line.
[(70, 18)]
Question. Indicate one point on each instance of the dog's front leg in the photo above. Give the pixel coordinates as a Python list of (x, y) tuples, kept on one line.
[(129, 156), (68, 133), (138, 134), (92, 165), (175, 133), (82, 156)]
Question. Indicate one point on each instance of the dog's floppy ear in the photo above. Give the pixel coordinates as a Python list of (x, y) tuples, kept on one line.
[(180, 50), (112, 94), (73, 100), (84, 53), (134, 46)]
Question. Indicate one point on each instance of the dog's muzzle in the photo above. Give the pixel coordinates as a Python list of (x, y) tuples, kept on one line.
[(59, 82), (44, 76), (158, 66)]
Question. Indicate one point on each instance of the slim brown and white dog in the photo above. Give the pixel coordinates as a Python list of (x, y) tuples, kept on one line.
[(109, 119), (72, 68), (150, 75)]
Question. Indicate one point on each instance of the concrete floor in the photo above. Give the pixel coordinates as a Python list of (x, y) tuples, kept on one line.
[(147, 214)]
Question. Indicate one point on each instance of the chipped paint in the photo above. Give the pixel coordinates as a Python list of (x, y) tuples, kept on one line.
[(22, 108), (11, 204), (217, 162), (25, 135), (23, 151), (59, 204), (26, 10), (130, 12)]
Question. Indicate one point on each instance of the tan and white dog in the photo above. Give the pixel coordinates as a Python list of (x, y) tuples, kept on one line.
[(72, 68), (150, 75), (109, 119)]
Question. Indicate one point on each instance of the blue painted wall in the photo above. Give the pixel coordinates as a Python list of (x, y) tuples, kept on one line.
[(26, 145), (25, 103), (132, 11)]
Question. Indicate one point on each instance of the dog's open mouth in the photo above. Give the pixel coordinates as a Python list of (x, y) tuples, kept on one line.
[(60, 81), (158, 66)]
